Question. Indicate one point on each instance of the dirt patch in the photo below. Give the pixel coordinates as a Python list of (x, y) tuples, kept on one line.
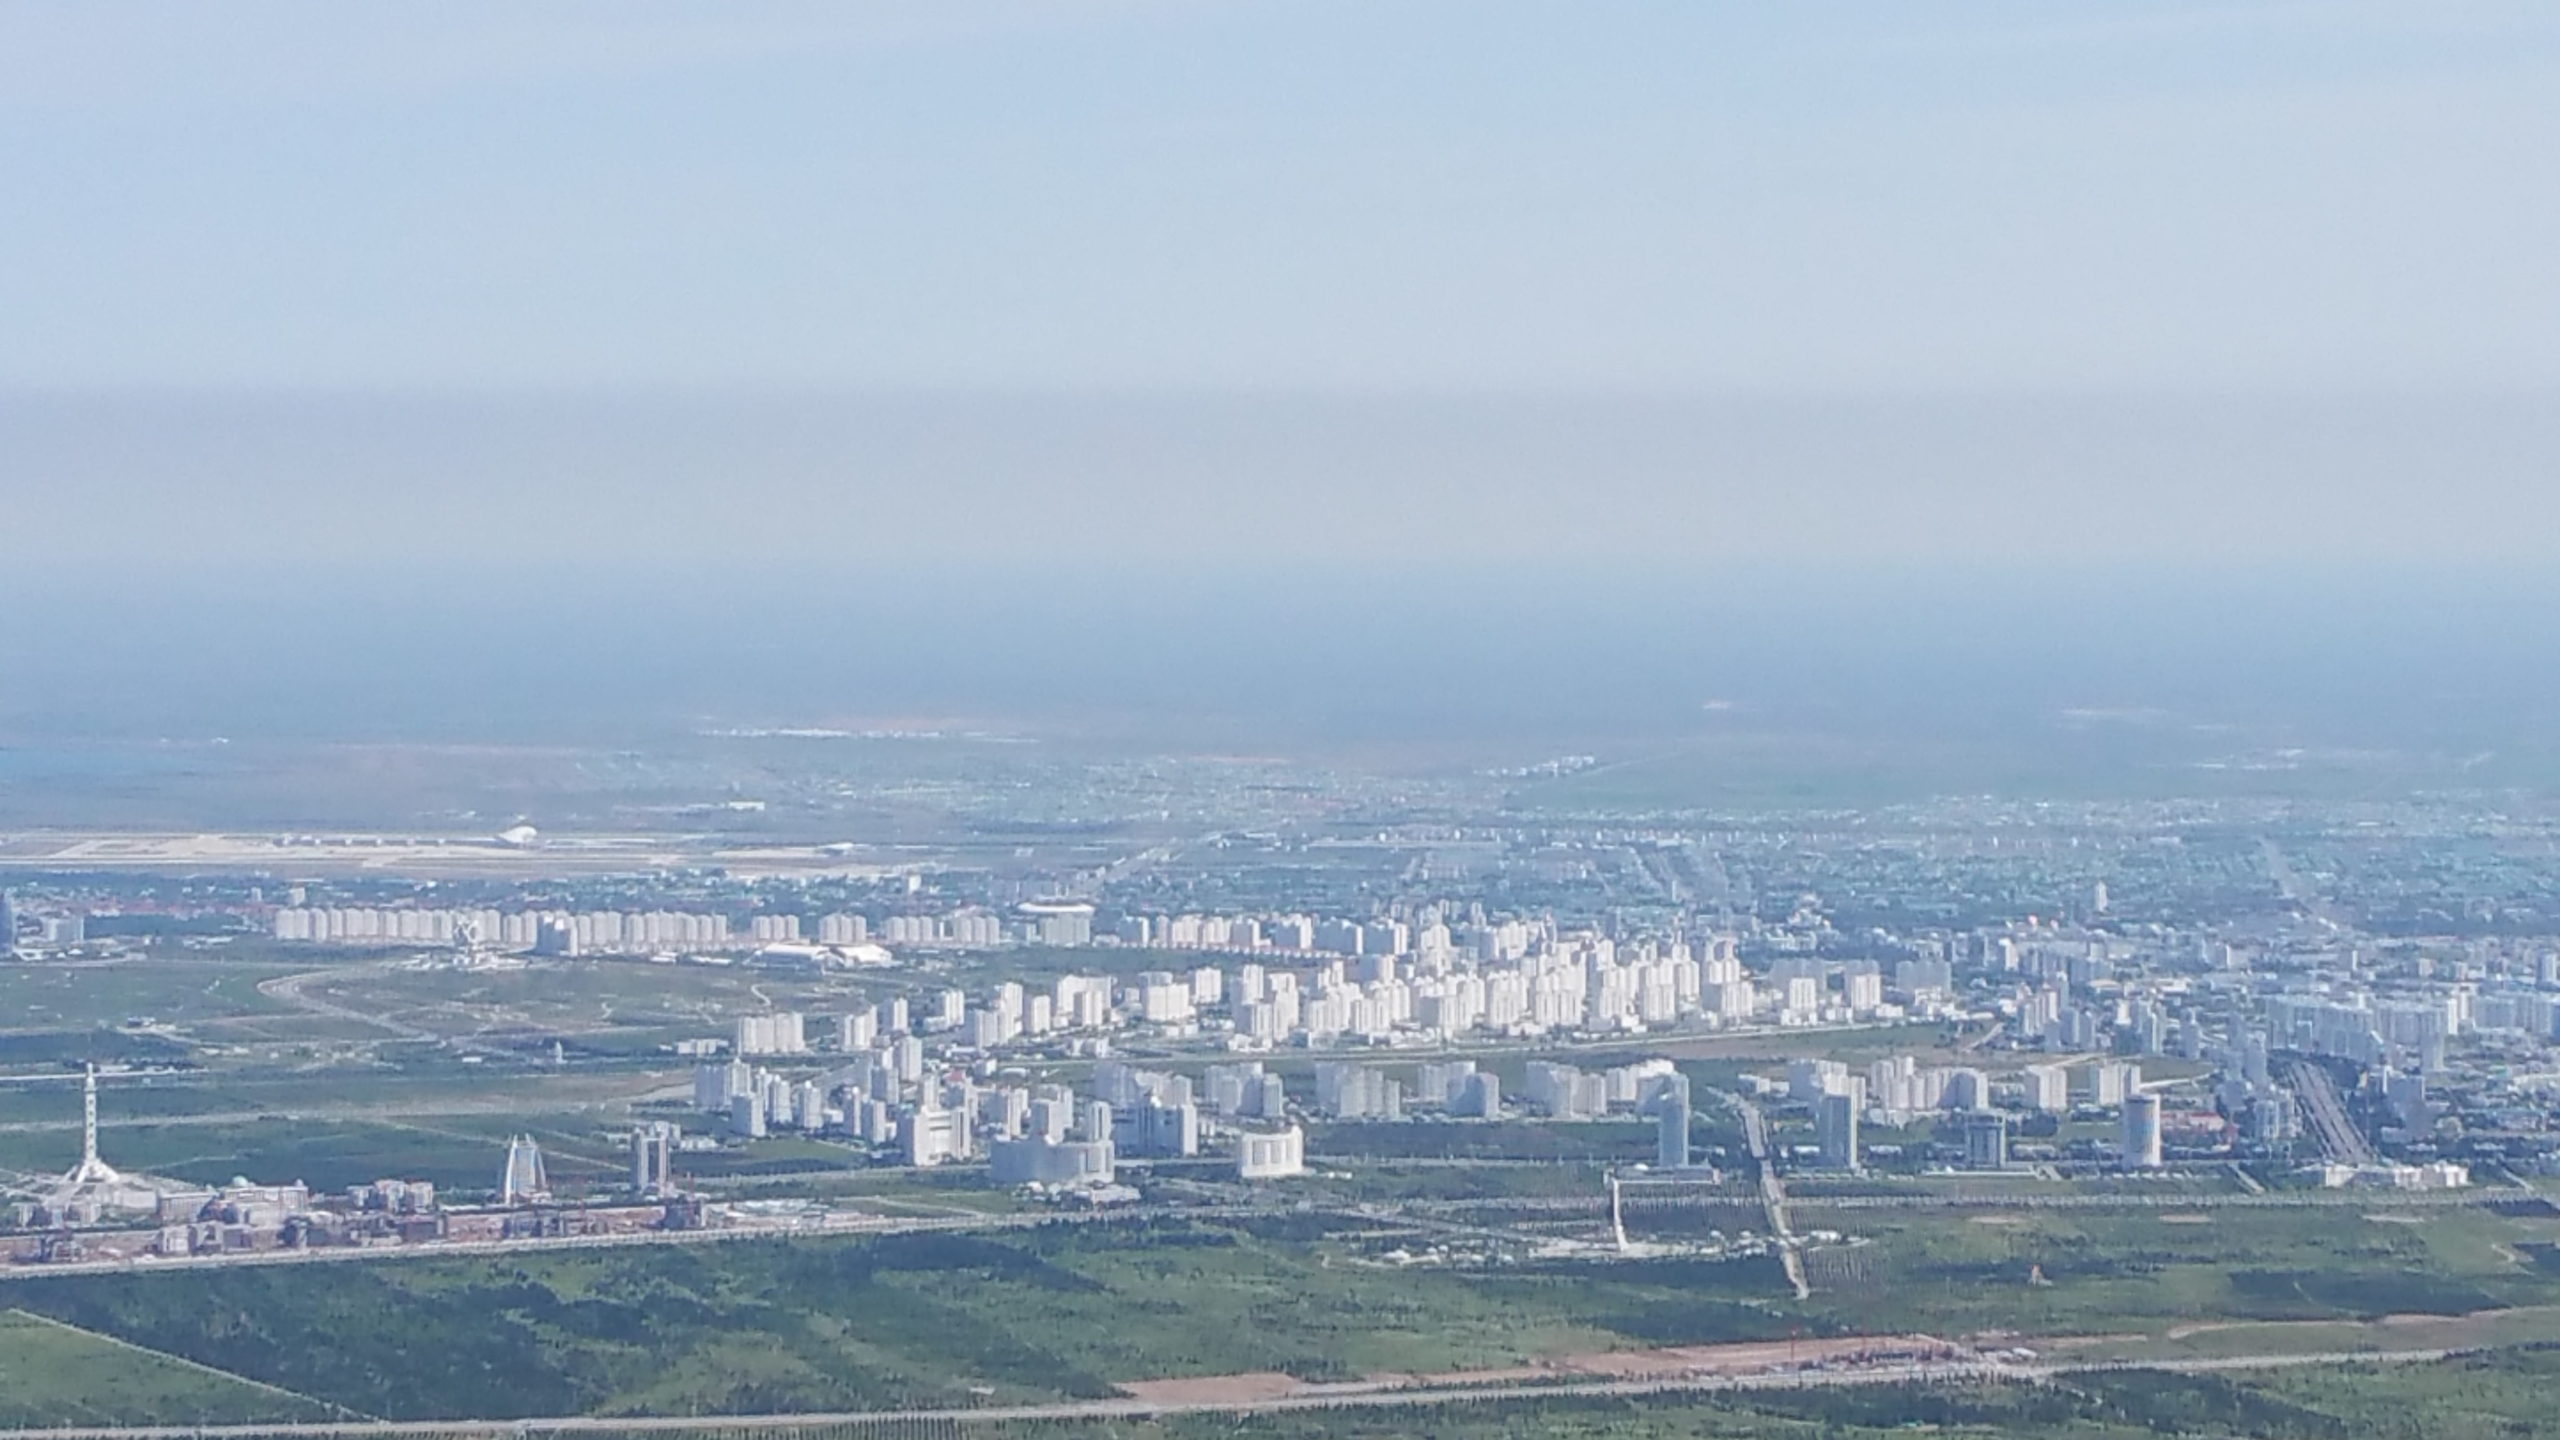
[(1216, 1389), (2070, 1342), (1747, 1359), (2477, 1327), (1741, 1359)]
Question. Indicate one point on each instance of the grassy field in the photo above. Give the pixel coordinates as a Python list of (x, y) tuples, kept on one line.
[(51, 1374), (176, 991), (2509, 1396), (2064, 1273), (416, 1088), (1071, 1310), (580, 997), (905, 1320)]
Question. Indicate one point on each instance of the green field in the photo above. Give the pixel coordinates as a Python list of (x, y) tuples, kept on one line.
[(592, 997), (1069, 1311), (184, 992), (51, 1374), (1063, 1312), (2100, 1272), (1050, 1314), (2509, 1396), (325, 1154)]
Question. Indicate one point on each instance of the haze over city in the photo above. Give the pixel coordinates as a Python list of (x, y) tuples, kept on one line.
[(1134, 718)]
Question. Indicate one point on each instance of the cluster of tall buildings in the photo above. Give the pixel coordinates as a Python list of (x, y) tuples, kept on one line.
[(1567, 1092), (53, 930), (1898, 1091), (885, 1091), (780, 1032), (1576, 983), (584, 932), (835, 929), (577, 933), (756, 1102)]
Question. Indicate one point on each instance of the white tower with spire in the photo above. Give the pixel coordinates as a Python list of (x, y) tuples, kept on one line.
[(92, 1170), (523, 1181)]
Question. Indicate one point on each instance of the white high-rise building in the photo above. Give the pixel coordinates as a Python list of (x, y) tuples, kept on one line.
[(932, 1134), (1671, 1123), (2142, 1132), (1835, 1125), (2110, 1081), (2047, 1088), (653, 1158), (858, 1030), (1040, 1160), (780, 1033)]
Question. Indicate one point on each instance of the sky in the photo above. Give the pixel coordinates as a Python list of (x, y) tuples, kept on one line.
[(1453, 303), (1364, 197)]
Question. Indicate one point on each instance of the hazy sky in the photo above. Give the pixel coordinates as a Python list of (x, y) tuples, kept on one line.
[(1068, 193), (2223, 283)]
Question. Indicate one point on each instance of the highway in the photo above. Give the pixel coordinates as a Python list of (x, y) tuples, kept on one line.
[(1773, 1196), (1314, 1398), (288, 988), (2292, 886), (2327, 1115)]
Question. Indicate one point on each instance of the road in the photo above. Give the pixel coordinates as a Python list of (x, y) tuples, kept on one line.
[(1131, 1408), (2339, 1138), (2291, 884), (288, 988), (1773, 1196)]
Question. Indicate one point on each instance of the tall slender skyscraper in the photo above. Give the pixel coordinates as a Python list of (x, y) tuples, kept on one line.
[(1835, 1127), (2142, 1132), (92, 1170), (1671, 1124)]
